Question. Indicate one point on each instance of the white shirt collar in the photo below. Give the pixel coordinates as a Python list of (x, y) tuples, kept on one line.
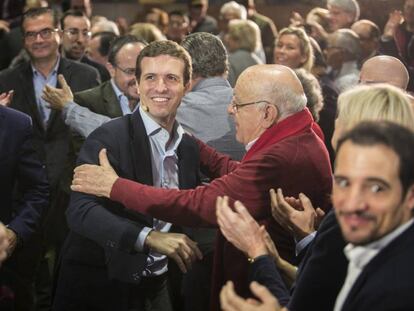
[(361, 255)]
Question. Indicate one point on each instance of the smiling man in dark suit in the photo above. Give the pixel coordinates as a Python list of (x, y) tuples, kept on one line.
[(114, 259)]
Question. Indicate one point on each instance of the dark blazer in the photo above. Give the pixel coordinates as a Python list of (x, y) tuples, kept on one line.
[(322, 271), (52, 143), (386, 283), (103, 72), (99, 252), (102, 100), (24, 193), (20, 166)]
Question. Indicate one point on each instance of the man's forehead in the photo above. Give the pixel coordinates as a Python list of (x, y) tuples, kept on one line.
[(33, 21), (168, 61), (70, 20), (366, 161)]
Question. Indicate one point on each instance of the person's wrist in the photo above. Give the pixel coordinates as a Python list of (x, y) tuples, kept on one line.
[(256, 252)]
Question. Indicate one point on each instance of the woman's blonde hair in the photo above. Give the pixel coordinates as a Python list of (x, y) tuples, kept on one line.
[(375, 102), (245, 33), (147, 32), (304, 44)]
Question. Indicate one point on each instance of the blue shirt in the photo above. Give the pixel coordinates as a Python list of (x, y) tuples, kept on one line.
[(39, 83), (123, 100), (164, 163)]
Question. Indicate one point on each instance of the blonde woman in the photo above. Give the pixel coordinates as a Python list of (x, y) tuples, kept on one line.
[(374, 102), (293, 49)]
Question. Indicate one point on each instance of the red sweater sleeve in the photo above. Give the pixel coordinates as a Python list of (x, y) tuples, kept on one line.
[(249, 183), (214, 164)]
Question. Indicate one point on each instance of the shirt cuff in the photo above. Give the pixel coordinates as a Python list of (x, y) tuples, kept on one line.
[(142, 236), (304, 242)]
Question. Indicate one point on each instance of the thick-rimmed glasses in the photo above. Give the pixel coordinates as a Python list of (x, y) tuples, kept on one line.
[(45, 34), (127, 71), (235, 106), (74, 33)]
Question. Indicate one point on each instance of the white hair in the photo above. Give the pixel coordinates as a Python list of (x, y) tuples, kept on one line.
[(234, 7), (350, 6)]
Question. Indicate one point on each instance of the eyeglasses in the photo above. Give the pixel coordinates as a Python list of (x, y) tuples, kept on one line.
[(127, 71), (74, 33), (45, 34), (235, 106)]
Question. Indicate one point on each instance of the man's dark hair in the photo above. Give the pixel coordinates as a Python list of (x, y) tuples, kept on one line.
[(396, 137), (118, 43), (105, 41), (36, 12), (209, 56), (179, 13), (166, 47), (74, 13)]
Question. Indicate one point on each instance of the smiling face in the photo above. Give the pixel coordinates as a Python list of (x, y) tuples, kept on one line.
[(41, 48), (161, 87), (288, 52), (368, 194)]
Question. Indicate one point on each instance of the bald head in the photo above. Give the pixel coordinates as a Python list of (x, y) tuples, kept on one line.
[(385, 69), (276, 84)]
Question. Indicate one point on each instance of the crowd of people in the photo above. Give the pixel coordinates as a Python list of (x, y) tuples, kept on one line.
[(181, 162)]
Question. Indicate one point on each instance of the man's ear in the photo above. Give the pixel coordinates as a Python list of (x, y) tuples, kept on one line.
[(409, 198), (136, 81), (271, 115), (187, 87), (110, 68)]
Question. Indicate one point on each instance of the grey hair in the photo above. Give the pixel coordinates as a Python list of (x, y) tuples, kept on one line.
[(286, 100), (234, 7), (208, 54), (350, 6), (348, 40)]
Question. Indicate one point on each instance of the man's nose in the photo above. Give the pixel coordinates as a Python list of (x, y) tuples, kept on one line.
[(355, 201), (161, 85)]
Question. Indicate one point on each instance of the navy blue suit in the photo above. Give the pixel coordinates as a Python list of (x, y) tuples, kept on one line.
[(24, 193), (20, 166)]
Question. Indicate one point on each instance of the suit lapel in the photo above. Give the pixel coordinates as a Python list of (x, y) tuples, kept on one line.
[(140, 152), (26, 77), (3, 128), (188, 163), (400, 243), (111, 103)]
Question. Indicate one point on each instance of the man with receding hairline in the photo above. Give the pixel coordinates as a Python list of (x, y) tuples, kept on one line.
[(385, 69), (272, 121)]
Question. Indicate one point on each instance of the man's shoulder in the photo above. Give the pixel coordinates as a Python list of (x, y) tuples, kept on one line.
[(15, 117), (209, 89), (77, 67), (9, 74), (96, 92)]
